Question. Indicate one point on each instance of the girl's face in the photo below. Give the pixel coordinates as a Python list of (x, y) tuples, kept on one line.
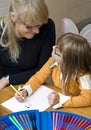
[(56, 54), (27, 31)]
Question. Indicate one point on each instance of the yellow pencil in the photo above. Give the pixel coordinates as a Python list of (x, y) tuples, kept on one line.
[(16, 90)]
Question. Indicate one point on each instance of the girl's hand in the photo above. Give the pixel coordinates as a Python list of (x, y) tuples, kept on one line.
[(56, 54), (22, 95), (53, 98)]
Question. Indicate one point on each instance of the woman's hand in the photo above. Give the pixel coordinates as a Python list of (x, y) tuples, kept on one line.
[(53, 98), (4, 82), (21, 96)]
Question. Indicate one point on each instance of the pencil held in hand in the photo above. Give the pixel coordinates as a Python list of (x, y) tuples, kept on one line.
[(18, 93)]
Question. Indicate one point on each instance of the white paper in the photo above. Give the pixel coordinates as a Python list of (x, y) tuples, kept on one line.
[(63, 99), (38, 100)]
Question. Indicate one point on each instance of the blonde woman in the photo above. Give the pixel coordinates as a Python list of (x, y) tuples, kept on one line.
[(26, 39), (70, 68)]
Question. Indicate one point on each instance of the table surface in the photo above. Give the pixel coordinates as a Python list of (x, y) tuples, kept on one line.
[(8, 92)]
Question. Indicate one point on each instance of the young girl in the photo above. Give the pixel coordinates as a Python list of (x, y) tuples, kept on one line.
[(70, 68)]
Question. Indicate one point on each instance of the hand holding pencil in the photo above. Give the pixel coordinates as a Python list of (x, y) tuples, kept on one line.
[(21, 94)]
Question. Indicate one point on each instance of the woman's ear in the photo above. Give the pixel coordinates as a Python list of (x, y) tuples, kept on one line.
[(13, 17)]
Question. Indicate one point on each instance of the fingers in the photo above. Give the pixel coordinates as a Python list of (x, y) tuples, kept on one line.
[(21, 96), (53, 98), (54, 47)]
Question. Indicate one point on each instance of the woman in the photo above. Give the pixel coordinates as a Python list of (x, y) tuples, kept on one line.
[(27, 36), (70, 68)]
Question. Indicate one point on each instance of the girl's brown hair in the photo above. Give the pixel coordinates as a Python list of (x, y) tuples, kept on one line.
[(76, 57)]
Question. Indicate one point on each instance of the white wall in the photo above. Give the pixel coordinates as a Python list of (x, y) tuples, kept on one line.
[(76, 10), (4, 6)]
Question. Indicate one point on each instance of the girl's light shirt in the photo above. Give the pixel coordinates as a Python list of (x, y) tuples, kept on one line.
[(86, 82), (28, 88)]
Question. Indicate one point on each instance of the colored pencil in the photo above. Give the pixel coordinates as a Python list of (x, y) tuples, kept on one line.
[(16, 91)]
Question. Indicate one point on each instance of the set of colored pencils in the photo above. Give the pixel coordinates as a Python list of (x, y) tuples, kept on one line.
[(69, 121), (52, 120), (19, 121)]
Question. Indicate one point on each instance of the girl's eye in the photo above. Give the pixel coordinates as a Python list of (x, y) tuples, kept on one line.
[(57, 52)]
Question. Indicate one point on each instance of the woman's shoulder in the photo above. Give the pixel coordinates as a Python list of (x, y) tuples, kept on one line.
[(51, 23), (47, 32), (49, 29)]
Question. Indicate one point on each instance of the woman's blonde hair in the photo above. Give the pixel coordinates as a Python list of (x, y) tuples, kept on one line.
[(76, 57), (34, 11)]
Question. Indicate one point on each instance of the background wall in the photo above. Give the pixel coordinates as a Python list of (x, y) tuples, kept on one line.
[(76, 10), (4, 5)]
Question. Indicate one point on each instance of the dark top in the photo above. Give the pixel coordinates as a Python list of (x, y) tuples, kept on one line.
[(34, 53)]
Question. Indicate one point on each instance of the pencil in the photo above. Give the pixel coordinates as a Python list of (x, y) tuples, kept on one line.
[(16, 90)]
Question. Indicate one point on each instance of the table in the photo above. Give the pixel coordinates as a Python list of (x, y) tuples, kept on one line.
[(8, 92)]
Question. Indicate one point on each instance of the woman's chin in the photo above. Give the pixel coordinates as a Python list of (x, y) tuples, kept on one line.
[(29, 36)]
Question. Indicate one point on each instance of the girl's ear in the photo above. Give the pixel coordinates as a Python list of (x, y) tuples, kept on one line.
[(13, 17)]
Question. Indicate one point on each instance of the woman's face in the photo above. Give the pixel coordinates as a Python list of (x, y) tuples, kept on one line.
[(56, 54), (26, 31)]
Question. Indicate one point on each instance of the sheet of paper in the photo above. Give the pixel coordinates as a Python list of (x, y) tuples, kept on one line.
[(38, 100)]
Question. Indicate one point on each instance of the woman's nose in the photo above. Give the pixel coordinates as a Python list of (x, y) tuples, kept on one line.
[(35, 29)]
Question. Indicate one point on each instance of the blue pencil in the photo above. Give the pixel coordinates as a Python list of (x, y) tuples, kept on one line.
[(61, 120), (2, 125), (20, 120), (26, 121), (29, 122), (10, 125), (15, 122), (33, 118), (21, 117)]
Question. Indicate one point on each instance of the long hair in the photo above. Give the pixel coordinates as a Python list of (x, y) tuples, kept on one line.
[(34, 11), (76, 57)]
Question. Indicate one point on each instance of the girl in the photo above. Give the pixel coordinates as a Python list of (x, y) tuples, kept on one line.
[(70, 68)]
